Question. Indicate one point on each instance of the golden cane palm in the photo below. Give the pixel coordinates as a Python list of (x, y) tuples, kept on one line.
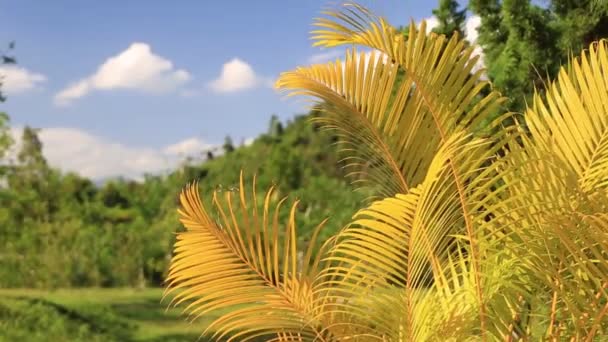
[(473, 236)]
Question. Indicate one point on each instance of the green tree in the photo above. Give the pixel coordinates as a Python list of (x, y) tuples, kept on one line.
[(5, 136), (275, 129), (450, 18), (519, 44), (32, 180), (30, 154), (524, 43), (579, 23), (228, 146), (6, 58)]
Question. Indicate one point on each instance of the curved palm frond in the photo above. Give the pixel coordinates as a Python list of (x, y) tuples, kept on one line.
[(572, 122), (434, 102), (402, 253), (397, 134), (559, 198), (440, 70), (245, 261)]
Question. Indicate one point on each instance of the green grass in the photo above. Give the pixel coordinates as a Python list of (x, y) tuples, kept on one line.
[(93, 314)]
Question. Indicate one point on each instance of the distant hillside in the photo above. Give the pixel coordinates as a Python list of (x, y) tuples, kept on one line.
[(119, 232)]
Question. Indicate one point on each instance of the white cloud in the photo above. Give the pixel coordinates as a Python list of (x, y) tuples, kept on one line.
[(17, 79), (470, 28), (190, 146), (471, 34), (325, 56), (71, 149), (74, 91), (237, 75), (248, 141), (431, 23), (136, 68)]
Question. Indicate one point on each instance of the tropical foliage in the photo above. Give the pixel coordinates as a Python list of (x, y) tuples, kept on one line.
[(475, 230)]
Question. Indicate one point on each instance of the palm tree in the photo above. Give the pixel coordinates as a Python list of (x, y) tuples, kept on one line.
[(476, 232)]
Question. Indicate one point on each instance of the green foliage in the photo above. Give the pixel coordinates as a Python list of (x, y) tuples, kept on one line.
[(228, 145), (36, 319), (275, 128), (62, 230), (6, 58), (450, 18), (5, 137), (519, 44), (93, 314), (525, 43)]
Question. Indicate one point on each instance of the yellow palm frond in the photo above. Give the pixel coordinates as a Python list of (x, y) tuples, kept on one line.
[(408, 241), (396, 133), (250, 267), (437, 100), (572, 122), (559, 200)]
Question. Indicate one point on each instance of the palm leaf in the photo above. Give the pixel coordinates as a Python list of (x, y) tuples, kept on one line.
[(398, 134), (572, 122), (433, 103), (412, 242), (219, 264), (559, 197)]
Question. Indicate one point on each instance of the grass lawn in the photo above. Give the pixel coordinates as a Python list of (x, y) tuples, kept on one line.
[(82, 314)]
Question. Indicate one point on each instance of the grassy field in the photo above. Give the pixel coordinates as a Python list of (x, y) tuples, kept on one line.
[(93, 315)]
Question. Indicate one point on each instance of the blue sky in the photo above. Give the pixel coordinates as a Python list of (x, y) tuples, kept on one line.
[(121, 87)]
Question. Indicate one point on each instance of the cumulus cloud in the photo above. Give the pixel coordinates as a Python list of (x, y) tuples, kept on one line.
[(16, 79), (136, 68), (75, 150), (237, 75)]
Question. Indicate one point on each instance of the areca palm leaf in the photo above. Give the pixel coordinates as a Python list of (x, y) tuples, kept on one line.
[(433, 104), (220, 263), (399, 254), (560, 198), (572, 123), (565, 255), (439, 69), (397, 134)]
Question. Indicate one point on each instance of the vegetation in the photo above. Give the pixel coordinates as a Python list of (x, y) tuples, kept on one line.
[(93, 314), (450, 19), (525, 43), (120, 233), (469, 221), (472, 232)]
